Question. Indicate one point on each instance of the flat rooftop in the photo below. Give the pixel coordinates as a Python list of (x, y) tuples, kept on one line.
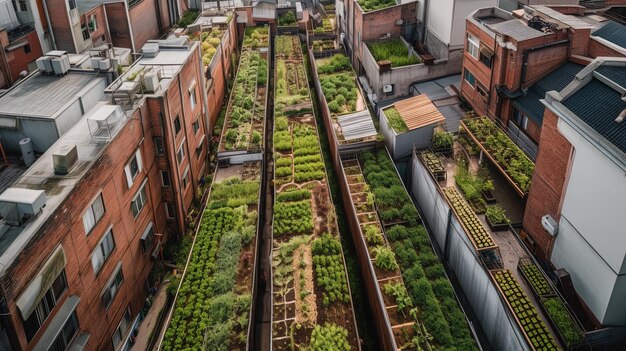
[(40, 176), (44, 95)]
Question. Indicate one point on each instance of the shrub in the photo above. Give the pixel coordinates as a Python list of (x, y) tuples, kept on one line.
[(287, 19), (385, 258), (395, 120), (329, 337), (373, 234), (497, 215), (393, 50), (337, 63), (442, 140)]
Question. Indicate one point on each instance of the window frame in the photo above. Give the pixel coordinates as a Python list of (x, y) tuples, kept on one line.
[(91, 208), (99, 250), (168, 211), (473, 44), (467, 72), (140, 194), (196, 126), (177, 125), (44, 308), (115, 282), (147, 237), (165, 179), (180, 151), (159, 146), (122, 334), (128, 168)]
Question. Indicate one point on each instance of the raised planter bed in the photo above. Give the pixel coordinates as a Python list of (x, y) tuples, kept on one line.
[(496, 227), (481, 239), (434, 165), (535, 331), (311, 300), (411, 318)]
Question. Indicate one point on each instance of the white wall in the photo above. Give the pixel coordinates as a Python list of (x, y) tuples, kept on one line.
[(591, 243), (462, 9), (451, 28)]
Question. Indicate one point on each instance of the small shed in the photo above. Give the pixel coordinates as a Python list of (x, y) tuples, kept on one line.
[(409, 122)]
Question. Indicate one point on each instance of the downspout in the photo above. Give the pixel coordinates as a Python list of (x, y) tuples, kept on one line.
[(537, 48), (424, 19), (495, 46), (157, 7), (502, 72), (205, 103), (44, 3)]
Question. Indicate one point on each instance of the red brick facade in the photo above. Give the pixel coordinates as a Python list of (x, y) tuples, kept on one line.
[(546, 190), (14, 61)]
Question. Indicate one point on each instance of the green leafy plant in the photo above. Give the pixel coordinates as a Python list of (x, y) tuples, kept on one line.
[(393, 50), (442, 140), (497, 215), (287, 19), (558, 313), (480, 237), (373, 5), (187, 18), (373, 234), (395, 120), (329, 271), (400, 295), (329, 337), (384, 258)]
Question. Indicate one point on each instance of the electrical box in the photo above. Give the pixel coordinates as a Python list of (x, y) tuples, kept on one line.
[(550, 225)]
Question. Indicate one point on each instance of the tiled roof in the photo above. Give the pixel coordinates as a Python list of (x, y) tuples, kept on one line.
[(598, 105), (530, 105), (418, 111), (613, 32)]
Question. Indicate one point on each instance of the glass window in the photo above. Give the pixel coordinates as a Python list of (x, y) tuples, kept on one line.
[(92, 215), (180, 154), (165, 178), (83, 28), (113, 288), (472, 45), (23, 7), (169, 210), (66, 335), (196, 126), (192, 98), (133, 168), (45, 306), (177, 125), (102, 251), (139, 201), (72, 4), (469, 78), (158, 146), (121, 330), (147, 238)]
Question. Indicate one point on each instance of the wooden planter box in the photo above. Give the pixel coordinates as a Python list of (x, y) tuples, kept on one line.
[(445, 151), (496, 227), (488, 196)]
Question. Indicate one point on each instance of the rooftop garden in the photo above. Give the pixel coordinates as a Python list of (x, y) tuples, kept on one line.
[(256, 37), (246, 112), (210, 42), (395, 120), (287, 19), (535, 330), (373, 5), (338, 83), (393, 50), (418, 297), (213, 303), (292, 88), (312, 307), (553, 305), (479, 235), (323, 45), (507, 156), (327, 26)]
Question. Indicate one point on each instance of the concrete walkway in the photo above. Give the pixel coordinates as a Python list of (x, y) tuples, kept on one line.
[(151, 319)]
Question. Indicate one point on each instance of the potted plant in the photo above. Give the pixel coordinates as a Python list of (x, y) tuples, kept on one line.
[(496, 218), (442, 142), (487, 191)]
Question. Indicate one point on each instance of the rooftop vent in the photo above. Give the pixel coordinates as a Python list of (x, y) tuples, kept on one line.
[(17, 205), (150, 50), (104, 123), (620, 118), (64, 159)]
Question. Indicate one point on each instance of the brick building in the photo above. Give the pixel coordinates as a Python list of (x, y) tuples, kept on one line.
[(115, 186), (19, 42), (579, 185), (512, 59), (80, 25)]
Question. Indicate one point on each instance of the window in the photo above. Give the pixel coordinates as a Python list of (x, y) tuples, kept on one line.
[(169, 210), (469, 78), (482, 90), (94, 212), (472, 45), (45, 306), (113, 287), (185, 179), (196, 126), (83, 28), (165, 178), (72, 4), (23, 7), (180, 154), (177, 125), (520, 119), (66, 335), (102, 251), (485, 56), (199, 149), (159, 148), (192, 96), (133, 167), (147, 237), (27, 48), (121, 330), (139, 201), (93, 23)]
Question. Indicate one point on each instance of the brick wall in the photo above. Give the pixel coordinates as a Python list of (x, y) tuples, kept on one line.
[(597, 49), (101, 27), (118, 24), (144, 20), (58, 13), (19, 59), (547, 184)]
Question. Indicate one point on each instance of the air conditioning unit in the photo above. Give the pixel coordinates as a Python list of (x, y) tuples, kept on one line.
[(41, 65), (399, 22), (387, 88), (550, 225), (104, 64), (17, 205), (95, 62), (58, 65), (151, 82)]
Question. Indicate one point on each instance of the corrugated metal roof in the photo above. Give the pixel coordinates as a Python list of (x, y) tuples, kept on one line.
[(517, 29), (530, 105), (418, 111), (598, 105), (613, 32), (614, 73), (357, 125)]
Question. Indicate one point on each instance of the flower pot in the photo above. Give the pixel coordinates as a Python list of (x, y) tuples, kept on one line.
[(488, 196), (496, 227)]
